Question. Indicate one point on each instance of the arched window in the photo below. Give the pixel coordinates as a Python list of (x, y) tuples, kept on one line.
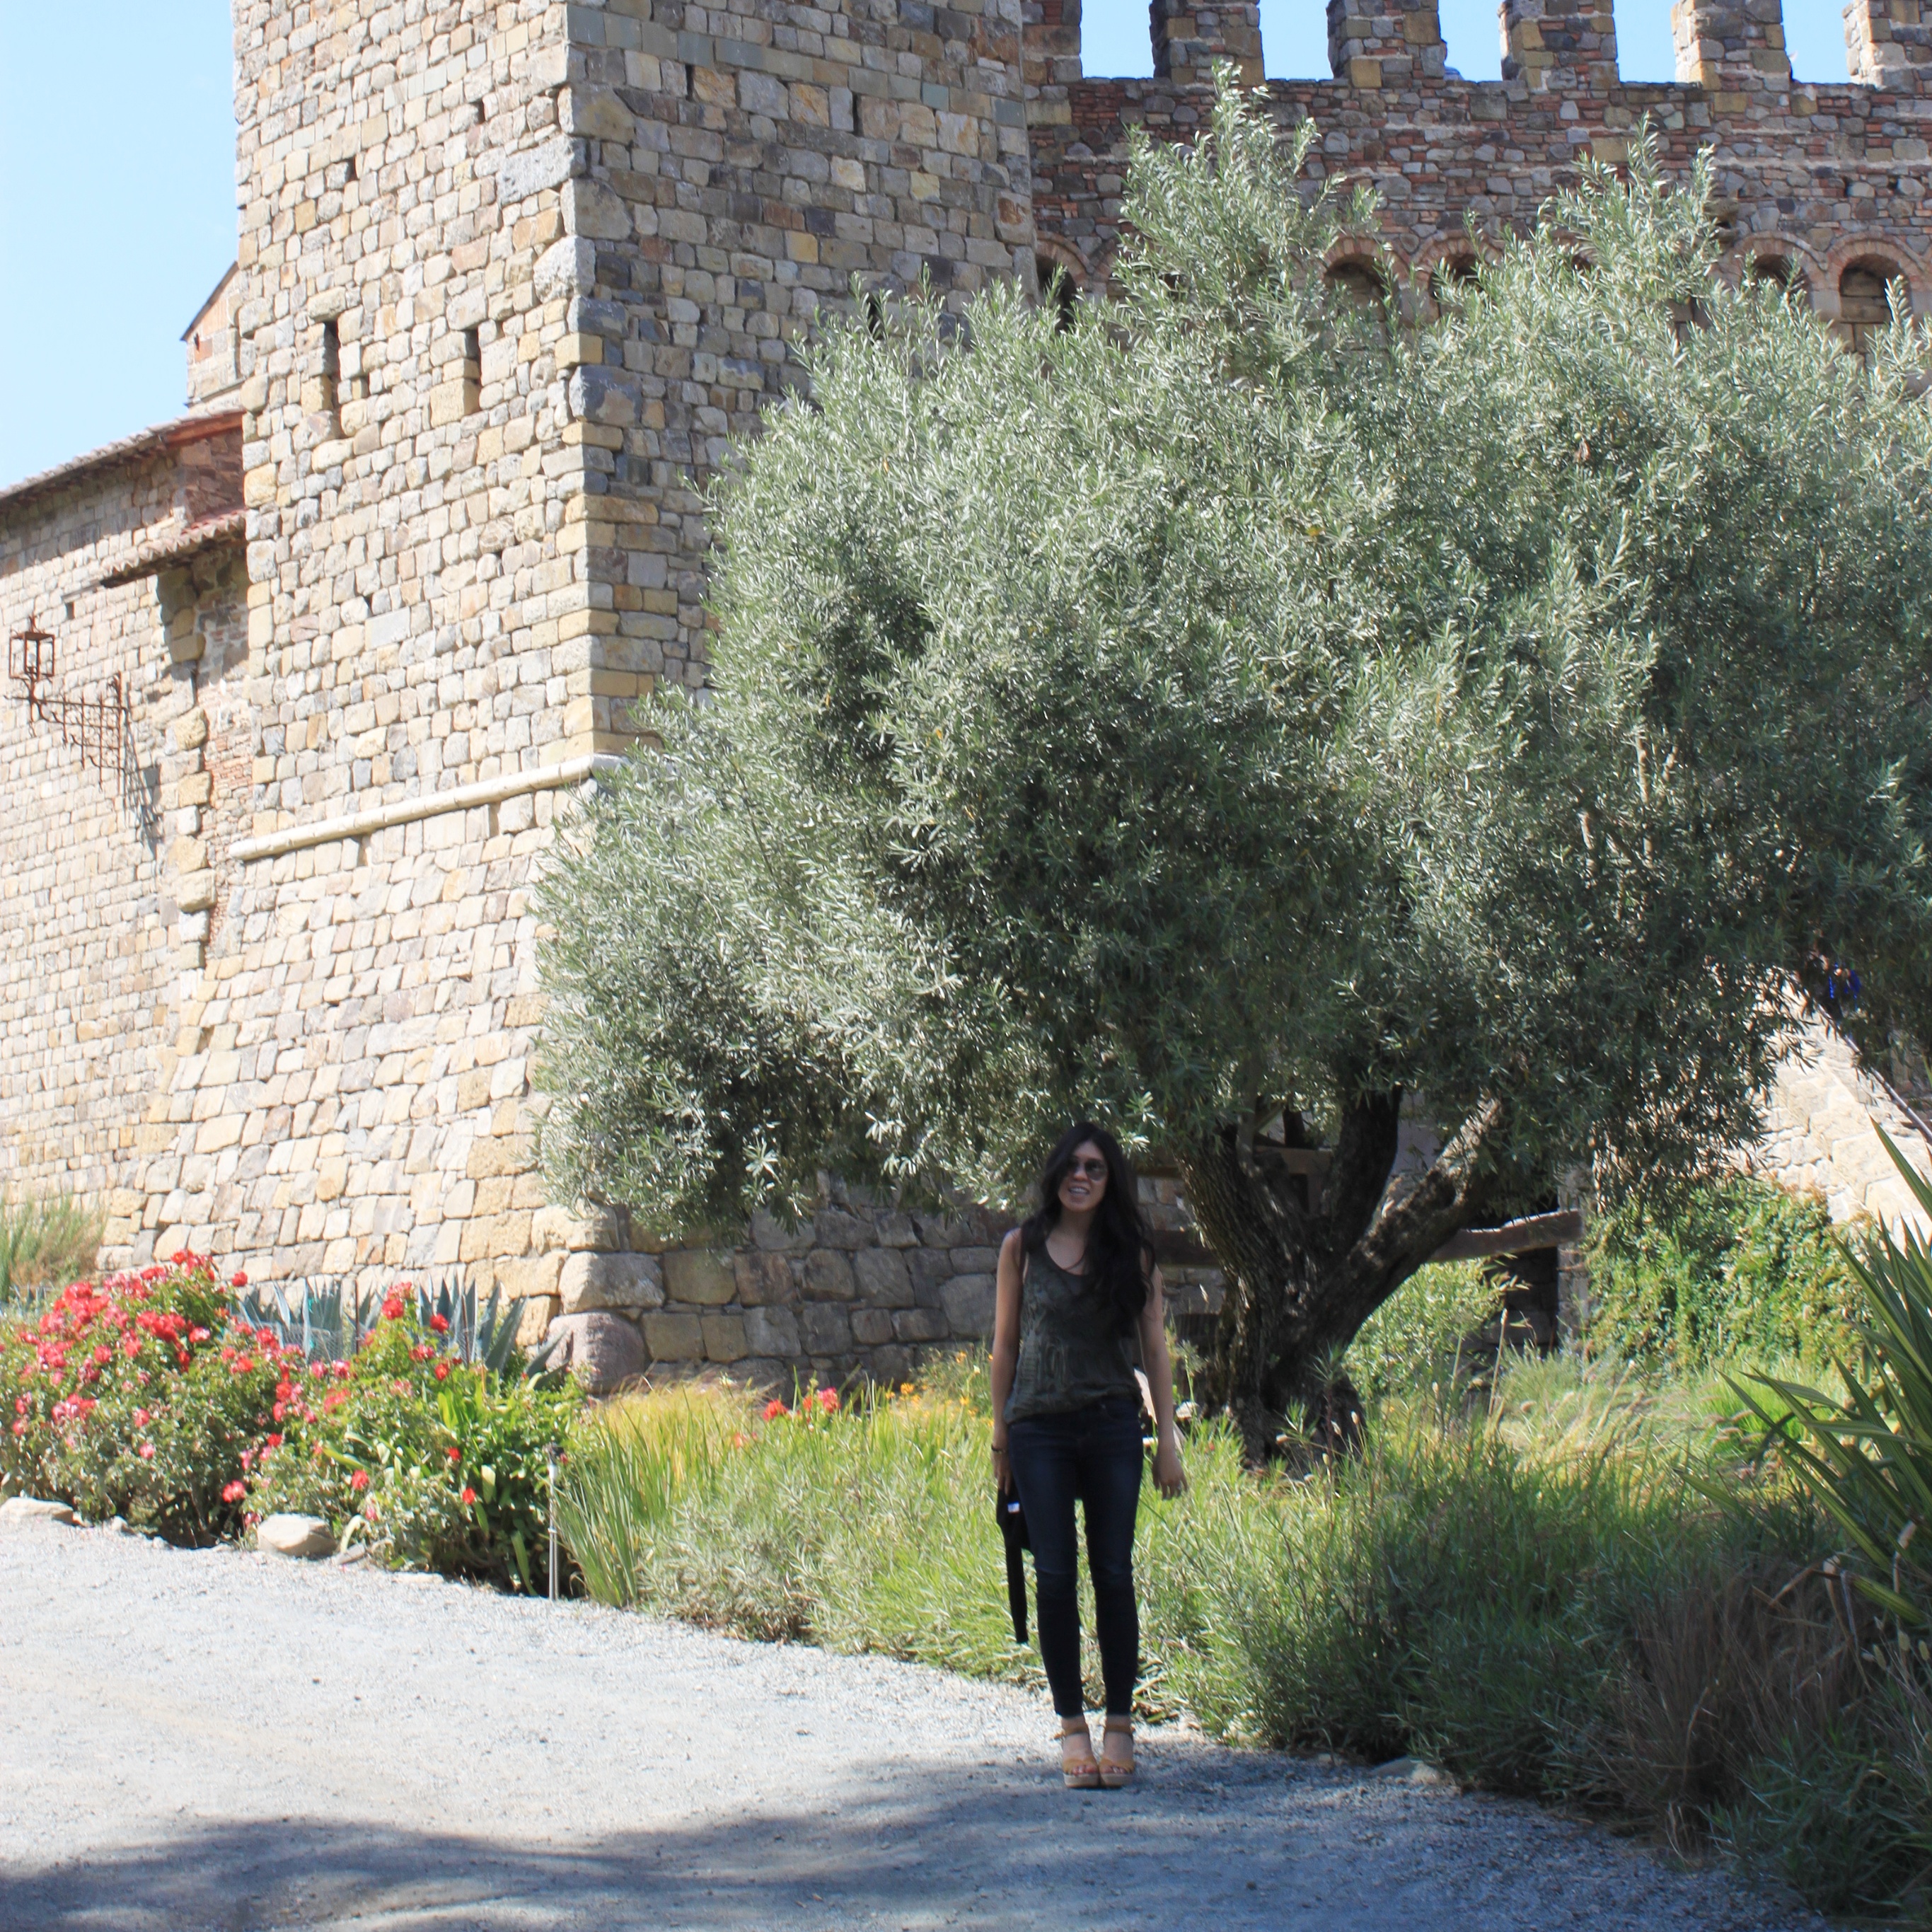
[(1450, 273), (1777, 271), (1058, 287), (1864, 311), (1357, 282)]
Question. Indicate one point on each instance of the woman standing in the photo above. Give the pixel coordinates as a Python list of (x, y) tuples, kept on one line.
[(1078, 1288)]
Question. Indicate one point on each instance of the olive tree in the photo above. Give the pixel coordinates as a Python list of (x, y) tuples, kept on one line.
[(1237, 711)]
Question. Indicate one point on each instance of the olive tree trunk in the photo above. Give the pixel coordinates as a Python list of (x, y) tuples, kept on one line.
[(1309, 1258)]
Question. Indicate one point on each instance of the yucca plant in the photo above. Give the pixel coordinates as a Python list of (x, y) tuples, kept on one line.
[(330, 1319), (1868, 1458)]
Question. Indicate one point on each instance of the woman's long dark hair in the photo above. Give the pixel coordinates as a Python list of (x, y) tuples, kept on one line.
[(1120, 1253)]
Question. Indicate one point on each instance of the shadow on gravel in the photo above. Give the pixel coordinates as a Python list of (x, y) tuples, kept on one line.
[(967, 1857)]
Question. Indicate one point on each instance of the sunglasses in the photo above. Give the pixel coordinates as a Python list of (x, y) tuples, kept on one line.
[(1091, 1170)]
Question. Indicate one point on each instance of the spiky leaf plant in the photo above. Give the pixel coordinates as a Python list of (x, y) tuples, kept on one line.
[(1869, 1458)]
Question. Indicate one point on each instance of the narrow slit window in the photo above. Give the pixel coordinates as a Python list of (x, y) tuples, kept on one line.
[(473, 371), (321, 404)]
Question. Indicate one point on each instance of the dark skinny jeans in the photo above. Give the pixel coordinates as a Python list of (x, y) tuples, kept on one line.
[(1093, 1454)]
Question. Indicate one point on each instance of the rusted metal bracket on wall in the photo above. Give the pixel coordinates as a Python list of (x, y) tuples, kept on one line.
[(95, 727)]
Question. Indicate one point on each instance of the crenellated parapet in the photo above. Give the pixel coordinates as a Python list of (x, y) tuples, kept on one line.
[(1190, 36), (1827, 182), (1385, 44)]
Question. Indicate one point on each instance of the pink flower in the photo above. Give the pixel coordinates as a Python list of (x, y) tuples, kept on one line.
[(233, 1493), (774, 1409), (237, 1280), (141, 1418), (147, 1452), (439, 1323), (443, 1371), (469, 1496), (828, 1400), (454, 1454), (392, 1308), (360, 1480)]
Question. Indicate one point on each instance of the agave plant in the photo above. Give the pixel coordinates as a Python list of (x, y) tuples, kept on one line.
[(1868, 1458), (328, 1317)]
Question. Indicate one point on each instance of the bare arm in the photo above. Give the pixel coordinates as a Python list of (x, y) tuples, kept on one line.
[(1168, 1477), (1006, 1350)]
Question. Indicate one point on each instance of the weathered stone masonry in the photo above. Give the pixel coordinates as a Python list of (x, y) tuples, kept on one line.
[(510, 275)]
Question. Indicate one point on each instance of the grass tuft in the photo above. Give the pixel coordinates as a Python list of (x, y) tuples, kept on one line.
[(47, 1240)]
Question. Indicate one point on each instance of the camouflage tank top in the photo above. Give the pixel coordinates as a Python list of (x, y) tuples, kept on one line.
[(1071, 1354)]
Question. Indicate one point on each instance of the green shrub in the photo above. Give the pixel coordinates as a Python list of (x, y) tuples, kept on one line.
[(141, 1398), (1737, 1268), (47, 1240), (1577, 1593), (428, 1462), (1419, 1334)]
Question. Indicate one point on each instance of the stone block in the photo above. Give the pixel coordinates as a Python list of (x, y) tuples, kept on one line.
[(773, 1237), (304, 1536), (17, 1510), (828, 1277), (701, 1275), (764, 1280), (724, 1337), (826, 1327), (871, 1326), (772, 1331), (674, 1338), (895, 1231), (920, 1325), (967, 1300), (591, 1280), (928, 1267), (892, 1367), (883, 1276), (603, 1351), (835, 1229), (533, 1325)]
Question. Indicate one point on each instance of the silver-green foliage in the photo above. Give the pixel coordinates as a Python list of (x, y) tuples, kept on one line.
[(1234, 696)]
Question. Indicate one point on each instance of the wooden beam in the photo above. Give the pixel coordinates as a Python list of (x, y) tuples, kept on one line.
[(1512, 1237), (1296, 1160), (1183, 1247)]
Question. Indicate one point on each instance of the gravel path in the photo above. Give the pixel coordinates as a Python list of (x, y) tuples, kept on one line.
[(219, 1739)]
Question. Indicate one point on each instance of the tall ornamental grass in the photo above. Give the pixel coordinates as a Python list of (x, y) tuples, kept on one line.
[(47, 1240), (1574, 1592)]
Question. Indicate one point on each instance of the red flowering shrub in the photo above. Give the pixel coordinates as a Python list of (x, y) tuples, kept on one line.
[(139, 1397), (430, 1462)]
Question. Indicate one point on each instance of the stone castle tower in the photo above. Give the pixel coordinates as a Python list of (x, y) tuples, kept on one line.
[(321, 662)]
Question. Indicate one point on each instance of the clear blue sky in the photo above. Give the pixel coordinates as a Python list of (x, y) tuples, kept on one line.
[(117, 214), (117, 200)]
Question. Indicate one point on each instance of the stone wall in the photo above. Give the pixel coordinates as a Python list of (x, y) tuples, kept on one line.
[(1824, 179), (510, 275), (87, 920), (860, 1291), (1822, 1134)]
